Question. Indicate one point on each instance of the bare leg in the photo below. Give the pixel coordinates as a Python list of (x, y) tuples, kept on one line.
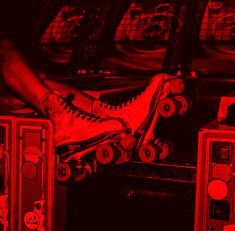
[(82, 100), (19, 77), (70, 126)]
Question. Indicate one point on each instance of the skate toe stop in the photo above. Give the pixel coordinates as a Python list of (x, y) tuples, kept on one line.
[(127, 142), (176, 86)]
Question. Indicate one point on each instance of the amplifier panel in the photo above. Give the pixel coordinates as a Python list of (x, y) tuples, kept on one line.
[(215, 178), (26, 173), (7, 199)]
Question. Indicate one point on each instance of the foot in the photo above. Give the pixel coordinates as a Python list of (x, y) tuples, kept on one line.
[(72, 125), (137, 111)]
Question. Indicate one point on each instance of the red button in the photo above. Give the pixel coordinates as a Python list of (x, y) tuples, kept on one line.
[(217, 189)]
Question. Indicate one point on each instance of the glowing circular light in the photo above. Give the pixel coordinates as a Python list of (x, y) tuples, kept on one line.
[(222, 172), (29, 170), (217, 189)]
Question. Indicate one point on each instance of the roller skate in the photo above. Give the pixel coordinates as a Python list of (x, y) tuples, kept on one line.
[(163, 97), (78, 135)]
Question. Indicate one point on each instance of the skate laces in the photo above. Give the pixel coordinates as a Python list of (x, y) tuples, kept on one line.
[(69, 107), (125, 104), (121, 106), (135, 98)]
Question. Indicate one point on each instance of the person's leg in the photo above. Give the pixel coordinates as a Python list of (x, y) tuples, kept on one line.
[(71, 124), (19, 77), (11, 102), (81, 100)]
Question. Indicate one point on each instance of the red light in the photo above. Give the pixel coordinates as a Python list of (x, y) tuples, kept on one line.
[(217, 189), (222, 172)]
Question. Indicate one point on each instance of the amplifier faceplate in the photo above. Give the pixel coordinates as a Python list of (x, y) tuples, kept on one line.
[(27, 166), (215, 178)]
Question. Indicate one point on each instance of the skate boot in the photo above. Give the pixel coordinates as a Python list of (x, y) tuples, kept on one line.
[(138, 110), (78, 133), (142, 112)]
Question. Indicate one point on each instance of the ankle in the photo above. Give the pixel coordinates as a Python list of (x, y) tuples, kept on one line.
[(48, 103)]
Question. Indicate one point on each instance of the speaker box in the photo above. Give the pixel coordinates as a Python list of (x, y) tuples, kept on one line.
[(6, 148), (27, 164), (215, 191)]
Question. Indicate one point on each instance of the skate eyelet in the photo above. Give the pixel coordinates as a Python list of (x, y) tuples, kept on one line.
[(129, 131)]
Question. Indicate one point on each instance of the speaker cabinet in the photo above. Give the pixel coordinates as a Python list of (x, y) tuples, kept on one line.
[(27, 164), (6, 148), (215, 191)]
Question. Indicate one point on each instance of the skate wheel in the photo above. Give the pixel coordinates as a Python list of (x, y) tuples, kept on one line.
[(184, 104), (165, 149), (82, 172), (148, 153), (63, 172), (167, 107), (127, 142), (176, 86), (125, 156), (105, 154)]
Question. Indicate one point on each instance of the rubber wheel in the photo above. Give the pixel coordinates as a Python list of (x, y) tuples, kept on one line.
[(165, 149), (167, 107), (63, 172), (105, 154), (82, 172), (185, 104), (148, 153)]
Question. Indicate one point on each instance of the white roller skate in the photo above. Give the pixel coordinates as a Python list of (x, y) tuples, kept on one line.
[(77, 134), (163, 97)]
